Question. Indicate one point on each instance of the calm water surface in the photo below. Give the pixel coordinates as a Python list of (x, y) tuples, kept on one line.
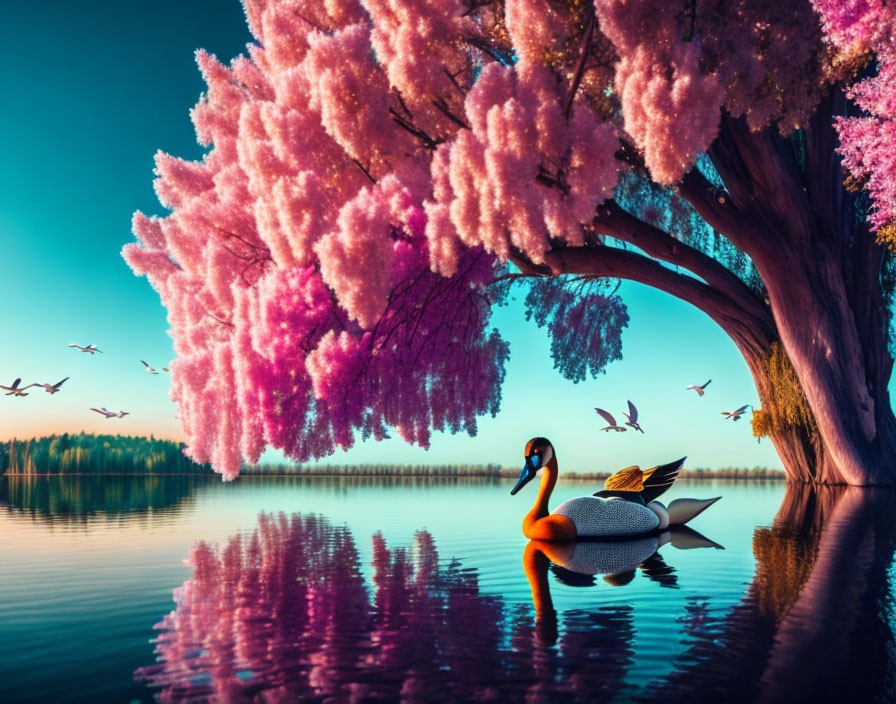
[(277, 590)]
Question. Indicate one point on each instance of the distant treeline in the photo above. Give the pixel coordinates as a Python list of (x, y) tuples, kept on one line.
[(735, 473), (125, 454), (492, 471), (96, 454), (376, 470)]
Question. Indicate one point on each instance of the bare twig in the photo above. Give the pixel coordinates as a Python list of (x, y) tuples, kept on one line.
[(416, 131), (486, 48), (216, 318), (580, 65), (364, 171), (446, 111)]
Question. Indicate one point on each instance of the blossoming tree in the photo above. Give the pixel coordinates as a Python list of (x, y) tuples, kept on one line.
[(379, 172)]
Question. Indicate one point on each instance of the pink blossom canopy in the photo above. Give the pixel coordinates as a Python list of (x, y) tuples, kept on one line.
[(373, 165)]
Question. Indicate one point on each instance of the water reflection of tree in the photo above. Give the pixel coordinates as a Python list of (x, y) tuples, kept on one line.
[(68, 500), (284, 614), (814, 625)]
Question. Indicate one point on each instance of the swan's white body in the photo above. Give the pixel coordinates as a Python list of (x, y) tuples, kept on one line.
[(595, 517)]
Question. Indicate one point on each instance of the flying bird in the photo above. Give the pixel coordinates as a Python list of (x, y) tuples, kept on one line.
[(632, 416), (122, 414), (104, 412), (90, 349), (699, 389), (611, 420), (15, 389), (735, 415), (52, 388), (149, 368)]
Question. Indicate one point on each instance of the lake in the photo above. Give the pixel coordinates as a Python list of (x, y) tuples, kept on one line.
[(181, 589)]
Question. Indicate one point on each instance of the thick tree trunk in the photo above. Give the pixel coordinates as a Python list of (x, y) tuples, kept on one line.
[(851, 434), (843, 371), (821, 267)]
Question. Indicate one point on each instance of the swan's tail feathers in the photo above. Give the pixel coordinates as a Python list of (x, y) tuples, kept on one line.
[(683, 510)]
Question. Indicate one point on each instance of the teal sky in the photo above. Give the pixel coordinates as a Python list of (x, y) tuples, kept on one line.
[(93, 89)]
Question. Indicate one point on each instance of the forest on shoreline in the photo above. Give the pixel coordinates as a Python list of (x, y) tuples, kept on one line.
[(85, 453)]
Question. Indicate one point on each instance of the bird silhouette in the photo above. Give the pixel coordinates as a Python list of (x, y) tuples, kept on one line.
[(632, 416), (699, 389), (90, 349), (736, 414), (52, 388), (611, 420)]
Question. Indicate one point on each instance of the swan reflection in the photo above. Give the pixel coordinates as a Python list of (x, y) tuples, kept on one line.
[(577, 563)]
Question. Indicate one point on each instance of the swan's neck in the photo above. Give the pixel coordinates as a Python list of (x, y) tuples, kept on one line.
[(548, 480)]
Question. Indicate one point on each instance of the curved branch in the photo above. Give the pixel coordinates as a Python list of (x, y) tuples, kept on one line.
[(619, 223), (748, 332), (715, 207)]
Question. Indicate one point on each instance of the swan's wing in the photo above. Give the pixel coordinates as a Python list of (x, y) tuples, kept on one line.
[(102, 413), (60, 383), (606, 416), (144, 364), (632, 412), (706, 384), (661, 479), (627, 479)]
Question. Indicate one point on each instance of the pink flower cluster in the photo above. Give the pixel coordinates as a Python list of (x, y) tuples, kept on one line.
[(866, 142), (522, 173)]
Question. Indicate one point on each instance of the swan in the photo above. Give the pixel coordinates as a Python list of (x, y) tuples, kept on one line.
[(626, 506)]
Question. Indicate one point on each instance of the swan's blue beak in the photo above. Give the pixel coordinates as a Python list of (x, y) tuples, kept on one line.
[(529, 471)]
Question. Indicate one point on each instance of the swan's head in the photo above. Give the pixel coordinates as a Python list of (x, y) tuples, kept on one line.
[(539, 452)]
